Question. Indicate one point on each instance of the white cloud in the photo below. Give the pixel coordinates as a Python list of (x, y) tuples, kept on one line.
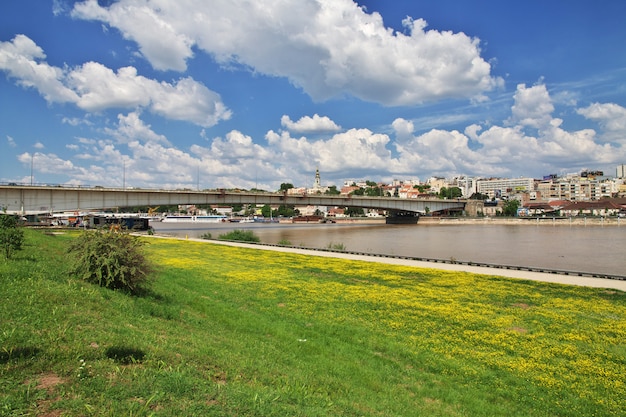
[(94, 87), (355, 152), (58, 7), (610, 116), (131, 128), (53, 164), (533, 106), (235, 160), (75, 121), (157, 38), (19, 59), (11, 141), (308, 124), (327, 47)]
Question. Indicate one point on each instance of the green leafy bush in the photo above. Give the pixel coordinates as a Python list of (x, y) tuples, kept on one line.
[(240, 236), (11, 235), (111, 259)]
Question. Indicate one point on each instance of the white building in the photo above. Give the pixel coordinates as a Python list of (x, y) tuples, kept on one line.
[(577, 189), (503, 187), (467, 185)]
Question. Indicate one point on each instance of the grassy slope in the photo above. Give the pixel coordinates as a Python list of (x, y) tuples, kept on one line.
[(230, 331)]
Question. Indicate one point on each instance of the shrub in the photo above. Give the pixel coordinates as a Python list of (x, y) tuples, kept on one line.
[(11, 235), (206, 236), (340, 247), (240, 236), (111, 259)]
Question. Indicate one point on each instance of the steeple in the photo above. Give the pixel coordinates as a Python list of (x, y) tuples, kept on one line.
[(317, 183)]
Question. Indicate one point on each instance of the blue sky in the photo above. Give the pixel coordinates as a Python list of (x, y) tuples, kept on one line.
[(233, 93)]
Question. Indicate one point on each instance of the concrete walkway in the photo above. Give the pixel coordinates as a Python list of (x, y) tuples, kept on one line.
[(509, 273)]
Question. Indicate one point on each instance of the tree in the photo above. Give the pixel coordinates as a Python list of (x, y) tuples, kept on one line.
[(510, 207), (266, 211), (11, 235), (452, 192), (286, 186), (332, 190), (479, 196), (285, 211), (373, 191), (113, 260), (354, 211)]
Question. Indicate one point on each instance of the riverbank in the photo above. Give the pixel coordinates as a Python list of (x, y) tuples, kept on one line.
[(230, 331), (527, 221), (577, 280)]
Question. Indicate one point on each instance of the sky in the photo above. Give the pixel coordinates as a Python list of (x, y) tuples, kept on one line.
[(251, 94)]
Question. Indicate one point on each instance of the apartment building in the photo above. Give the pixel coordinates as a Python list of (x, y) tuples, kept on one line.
[(577, 189), (503, 187)]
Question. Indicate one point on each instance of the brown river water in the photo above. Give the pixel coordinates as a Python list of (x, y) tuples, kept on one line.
[(583, 248)]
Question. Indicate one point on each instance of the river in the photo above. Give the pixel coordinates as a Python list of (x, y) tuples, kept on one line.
[(590, 249)]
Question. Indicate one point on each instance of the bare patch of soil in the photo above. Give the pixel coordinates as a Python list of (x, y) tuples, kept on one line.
[(519, 330), (49, 381)]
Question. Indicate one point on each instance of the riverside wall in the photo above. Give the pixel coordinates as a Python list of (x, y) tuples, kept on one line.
[(523, 221), (527, 221)]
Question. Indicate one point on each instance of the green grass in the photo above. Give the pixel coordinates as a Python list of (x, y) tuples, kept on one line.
[(240, 236), (230, 331)]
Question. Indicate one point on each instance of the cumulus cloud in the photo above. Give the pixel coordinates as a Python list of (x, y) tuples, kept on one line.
[(308, 124), (610, 116), (20, 60), (354, 153), (328, 48), (53, 164), (237, 160), (94, 87), (132, 128), (533, 106)]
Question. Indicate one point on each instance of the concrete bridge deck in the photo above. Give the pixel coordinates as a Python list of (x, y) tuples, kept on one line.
[(22, 199)]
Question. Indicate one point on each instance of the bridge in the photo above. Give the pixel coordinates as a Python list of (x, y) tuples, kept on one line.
[(25, 199)]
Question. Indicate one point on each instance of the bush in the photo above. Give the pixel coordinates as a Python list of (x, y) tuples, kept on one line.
[(11, 235), (112, 260), (340, 247), (240, 236)]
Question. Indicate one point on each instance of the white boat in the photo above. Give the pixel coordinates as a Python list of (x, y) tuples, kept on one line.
[(213, 218)]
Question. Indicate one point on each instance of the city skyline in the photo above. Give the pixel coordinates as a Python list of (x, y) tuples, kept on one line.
[(162, 94)]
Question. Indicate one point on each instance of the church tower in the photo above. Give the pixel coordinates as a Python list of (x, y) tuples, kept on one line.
[(317, 185)]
